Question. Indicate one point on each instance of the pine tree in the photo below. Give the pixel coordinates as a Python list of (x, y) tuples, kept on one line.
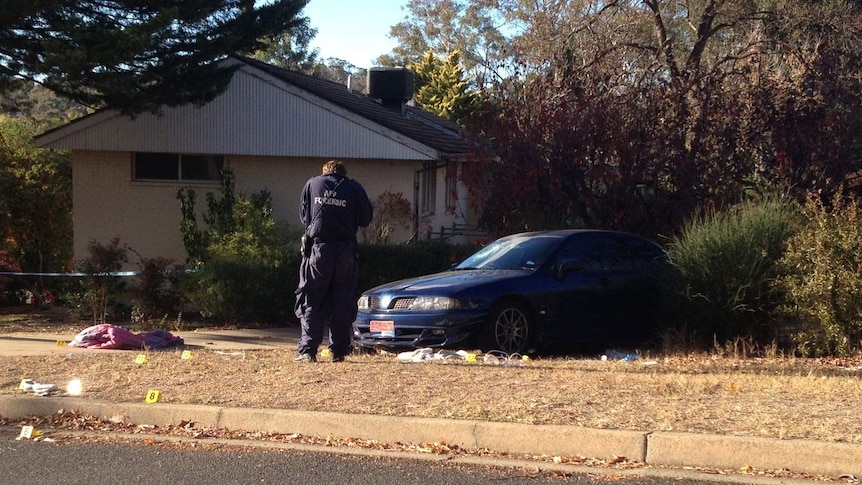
[(134, 55), (440, 87), (291, 50)]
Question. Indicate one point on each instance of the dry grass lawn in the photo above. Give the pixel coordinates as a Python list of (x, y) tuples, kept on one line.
[(773, 397)]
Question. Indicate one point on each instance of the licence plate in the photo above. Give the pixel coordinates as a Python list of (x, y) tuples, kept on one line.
[(386, 328)]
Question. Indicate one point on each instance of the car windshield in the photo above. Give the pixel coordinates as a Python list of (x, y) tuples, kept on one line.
[(515, 252)]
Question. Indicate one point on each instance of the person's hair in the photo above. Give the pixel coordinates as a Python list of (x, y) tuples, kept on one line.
[(335, 166)]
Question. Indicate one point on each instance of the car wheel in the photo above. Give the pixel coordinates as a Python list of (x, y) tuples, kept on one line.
[(509, 328)]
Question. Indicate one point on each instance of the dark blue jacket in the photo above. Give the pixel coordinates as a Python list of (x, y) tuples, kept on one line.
[(335, 207)]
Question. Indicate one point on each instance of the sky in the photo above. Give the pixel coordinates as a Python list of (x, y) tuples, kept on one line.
[(354, 30)]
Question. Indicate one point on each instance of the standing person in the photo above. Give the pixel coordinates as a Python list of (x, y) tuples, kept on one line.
[(332, 207)]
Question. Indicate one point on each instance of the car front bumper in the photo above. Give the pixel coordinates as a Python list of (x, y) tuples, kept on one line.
[(416, 330)]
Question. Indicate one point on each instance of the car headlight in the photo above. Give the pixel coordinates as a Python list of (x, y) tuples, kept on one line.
[(434, 303), (364, 302)]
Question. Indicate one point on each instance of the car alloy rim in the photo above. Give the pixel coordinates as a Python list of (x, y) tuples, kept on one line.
[(511, 329)]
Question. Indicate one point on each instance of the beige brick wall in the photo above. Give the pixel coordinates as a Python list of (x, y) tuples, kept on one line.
[(146, 215), (108, 204), (284, 178)]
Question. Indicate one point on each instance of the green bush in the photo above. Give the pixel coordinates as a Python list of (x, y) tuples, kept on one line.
[(247, 264), (726, 262), (380, 264), (823, 278), (251, 273), (100, 292), (157, 293)]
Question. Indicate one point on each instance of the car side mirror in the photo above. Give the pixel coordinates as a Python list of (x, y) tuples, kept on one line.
[(567, 266)]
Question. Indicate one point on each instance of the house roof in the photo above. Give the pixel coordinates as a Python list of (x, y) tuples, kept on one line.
[(324, 119), (413, 122)]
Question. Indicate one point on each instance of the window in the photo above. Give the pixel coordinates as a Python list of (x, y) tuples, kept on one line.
[(174, 166), (451, 186), (156, 166), (613, 252), (428, 185), (588, 250)]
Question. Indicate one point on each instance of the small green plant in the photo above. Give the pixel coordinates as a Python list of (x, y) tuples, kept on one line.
[(179, 324), (158, 292), (823, 277), (102, 290), (725, 265)]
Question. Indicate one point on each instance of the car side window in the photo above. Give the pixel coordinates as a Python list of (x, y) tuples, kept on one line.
[(610, 252), (640, 253), (585, 250), (614, 252)]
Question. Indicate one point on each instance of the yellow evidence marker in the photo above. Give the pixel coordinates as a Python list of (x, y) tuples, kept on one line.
[(152, 396), (28, 432)]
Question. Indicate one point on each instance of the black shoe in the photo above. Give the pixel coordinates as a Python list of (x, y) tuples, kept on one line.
[(338, 358), (306, 358)]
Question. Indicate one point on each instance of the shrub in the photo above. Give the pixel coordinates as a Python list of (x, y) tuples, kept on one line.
[(823, 277), (391, 212), (250, 274), (726, 262), (8, 264), (101, 291), (247, 263), (157, 294), (380, 264)]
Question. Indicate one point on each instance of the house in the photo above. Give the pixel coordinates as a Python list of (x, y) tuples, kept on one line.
[(273, 128)]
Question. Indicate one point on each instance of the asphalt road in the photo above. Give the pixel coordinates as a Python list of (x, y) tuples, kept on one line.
[(116, 463)]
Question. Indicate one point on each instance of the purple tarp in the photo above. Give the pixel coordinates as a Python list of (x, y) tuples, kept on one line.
[(107, 336)]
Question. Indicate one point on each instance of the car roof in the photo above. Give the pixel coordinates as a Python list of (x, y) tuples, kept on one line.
[(567, 232)]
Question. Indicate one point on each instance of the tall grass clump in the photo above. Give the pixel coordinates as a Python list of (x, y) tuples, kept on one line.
[(823, 277), (725, 263)]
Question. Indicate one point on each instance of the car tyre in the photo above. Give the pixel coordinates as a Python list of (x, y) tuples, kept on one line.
[(509, 328)]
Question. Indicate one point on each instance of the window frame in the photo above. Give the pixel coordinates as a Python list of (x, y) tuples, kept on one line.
[(451, 196), (428, 188), (176, 174)]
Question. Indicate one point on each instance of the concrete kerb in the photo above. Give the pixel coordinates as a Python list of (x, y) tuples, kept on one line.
[(161, 414), (735, 452), (387, 429), (503, 437), (557, 440), (671, 449)]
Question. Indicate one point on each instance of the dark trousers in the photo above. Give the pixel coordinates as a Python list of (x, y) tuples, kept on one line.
[(327, 286)]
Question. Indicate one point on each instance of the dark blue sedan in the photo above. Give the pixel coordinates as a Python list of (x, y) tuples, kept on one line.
[(523, 292)]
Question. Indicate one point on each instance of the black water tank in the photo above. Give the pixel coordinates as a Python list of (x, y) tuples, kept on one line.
[(390, 83)]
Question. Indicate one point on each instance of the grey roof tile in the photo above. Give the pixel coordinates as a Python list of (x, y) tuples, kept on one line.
[(413, 122)]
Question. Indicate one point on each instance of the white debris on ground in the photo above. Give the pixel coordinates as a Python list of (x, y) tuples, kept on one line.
[(498, 357), (494, 357), (38, 388), (426, 353)]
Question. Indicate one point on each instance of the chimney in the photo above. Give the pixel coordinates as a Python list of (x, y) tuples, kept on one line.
[(392, 86)]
